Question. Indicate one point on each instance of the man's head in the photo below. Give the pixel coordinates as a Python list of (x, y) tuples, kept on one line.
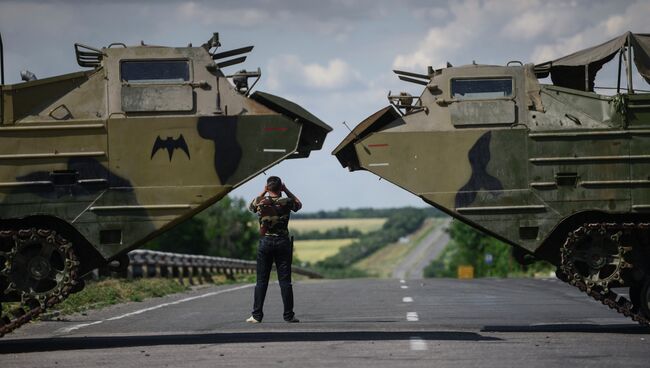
[(274, 184)]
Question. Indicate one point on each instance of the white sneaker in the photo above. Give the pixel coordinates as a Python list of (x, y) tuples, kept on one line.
[(252, 319)]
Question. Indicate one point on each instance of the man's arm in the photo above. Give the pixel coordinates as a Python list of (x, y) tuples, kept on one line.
[(297, 205), (253, 206)]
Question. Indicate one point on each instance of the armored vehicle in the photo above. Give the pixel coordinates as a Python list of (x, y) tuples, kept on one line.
[(558, 171), (95, 163)]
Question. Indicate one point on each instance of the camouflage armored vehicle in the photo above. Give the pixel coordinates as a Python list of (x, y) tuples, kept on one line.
[(557, 170), (95, 163)]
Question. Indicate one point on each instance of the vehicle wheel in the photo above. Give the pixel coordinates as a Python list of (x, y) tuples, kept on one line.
[(43, 265)]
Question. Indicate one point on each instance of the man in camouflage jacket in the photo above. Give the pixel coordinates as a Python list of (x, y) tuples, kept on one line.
[(274, 212)]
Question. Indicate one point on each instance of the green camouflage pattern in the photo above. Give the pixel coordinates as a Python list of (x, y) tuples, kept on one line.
[(274, 214), (113, 163)]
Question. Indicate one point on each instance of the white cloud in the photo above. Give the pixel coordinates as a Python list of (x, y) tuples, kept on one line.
[(467, 22), (633, 18), (287, 71), (209, 15)]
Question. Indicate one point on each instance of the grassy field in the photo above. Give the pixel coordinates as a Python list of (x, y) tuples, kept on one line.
[(382, 262), (316, 250), (364, 225)]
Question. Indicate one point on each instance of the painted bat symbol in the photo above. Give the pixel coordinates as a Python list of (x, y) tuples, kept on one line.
[(170, 144)]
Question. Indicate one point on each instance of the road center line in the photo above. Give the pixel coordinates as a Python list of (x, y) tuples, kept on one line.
[(407, 299), (402, 281), (145, 310), (404, 287), (417, 344), (412, 316)]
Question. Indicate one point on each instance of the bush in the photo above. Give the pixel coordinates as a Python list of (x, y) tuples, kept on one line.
[(469, 246)]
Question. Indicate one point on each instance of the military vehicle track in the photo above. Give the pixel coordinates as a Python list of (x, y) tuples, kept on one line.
[(602, 270), (40, 266)]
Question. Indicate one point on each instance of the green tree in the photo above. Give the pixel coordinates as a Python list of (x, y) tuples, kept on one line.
[(489, 256), (225, 229), (231, 229)]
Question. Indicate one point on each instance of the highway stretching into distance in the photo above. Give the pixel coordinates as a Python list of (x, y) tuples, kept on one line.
[(345, 323), (429, 248)]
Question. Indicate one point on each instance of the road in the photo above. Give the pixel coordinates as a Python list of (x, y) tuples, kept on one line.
[(345, 323), (429, 248)]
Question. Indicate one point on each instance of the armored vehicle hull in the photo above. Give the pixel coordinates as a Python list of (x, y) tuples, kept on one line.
[(557, 171), (95, 163)]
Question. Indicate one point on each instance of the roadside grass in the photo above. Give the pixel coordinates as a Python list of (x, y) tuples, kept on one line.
[(103, 293), (365, 225), (382, 263), (315, 250)]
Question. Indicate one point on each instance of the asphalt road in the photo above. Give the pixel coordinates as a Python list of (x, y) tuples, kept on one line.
[(413, 265), (347, 323)]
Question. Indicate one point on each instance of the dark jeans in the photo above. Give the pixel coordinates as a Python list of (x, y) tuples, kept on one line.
[(276, 249)]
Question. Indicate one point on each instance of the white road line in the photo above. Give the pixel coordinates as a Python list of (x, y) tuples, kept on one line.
[(417, 344), (379, 164), (206, 295), (404, 287), (412, 316), (402, 281), (275, 150), (407, 299)]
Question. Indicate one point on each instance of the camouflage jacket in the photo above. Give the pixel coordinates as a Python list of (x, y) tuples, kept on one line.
[(274, 214)]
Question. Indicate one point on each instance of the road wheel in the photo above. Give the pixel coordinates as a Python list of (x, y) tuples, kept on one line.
[(43, 265)]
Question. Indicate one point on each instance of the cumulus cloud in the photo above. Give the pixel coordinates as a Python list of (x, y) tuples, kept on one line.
[(633, 18), (504, 29), (466, 23), (290, 70)]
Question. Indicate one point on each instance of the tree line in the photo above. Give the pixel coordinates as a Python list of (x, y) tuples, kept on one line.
[(363, 212), (333, 233), (225, 229)]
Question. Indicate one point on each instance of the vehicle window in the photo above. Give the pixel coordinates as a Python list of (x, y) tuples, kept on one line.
[(155, 71), (474, 89)]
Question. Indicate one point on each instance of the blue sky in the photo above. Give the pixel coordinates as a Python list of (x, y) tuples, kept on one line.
[(332, 57)]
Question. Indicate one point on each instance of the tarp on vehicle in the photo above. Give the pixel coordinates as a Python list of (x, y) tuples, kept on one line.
[(574, 70)]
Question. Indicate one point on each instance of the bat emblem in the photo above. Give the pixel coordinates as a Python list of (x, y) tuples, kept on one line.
[(170, 144)]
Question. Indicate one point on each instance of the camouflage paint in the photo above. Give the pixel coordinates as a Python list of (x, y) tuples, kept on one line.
[(568, 152), (83, 148)]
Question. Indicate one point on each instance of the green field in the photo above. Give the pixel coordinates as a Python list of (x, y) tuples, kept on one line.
[(365, 225), (316, 250)]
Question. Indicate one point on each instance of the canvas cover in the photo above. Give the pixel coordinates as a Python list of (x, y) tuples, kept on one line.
[(574, 70)]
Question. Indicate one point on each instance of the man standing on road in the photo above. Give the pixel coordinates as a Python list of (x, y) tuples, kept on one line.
[(274, 211)]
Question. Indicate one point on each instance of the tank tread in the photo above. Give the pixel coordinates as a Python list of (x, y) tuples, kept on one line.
[(604, 295), (31, 307)]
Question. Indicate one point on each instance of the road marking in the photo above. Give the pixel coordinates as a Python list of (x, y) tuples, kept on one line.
[(379, 164), (275, 150), (402, 281), (145, 310), (407, 299), (417, 344), (412, 316), (404, 287)]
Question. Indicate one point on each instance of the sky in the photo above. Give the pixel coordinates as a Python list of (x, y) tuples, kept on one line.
[(334, 58)]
